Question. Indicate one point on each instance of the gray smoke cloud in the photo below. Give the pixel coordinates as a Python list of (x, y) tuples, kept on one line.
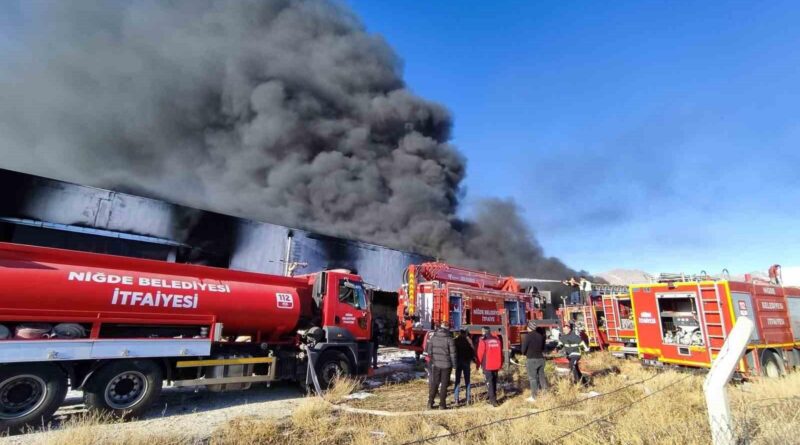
[(282, 111)]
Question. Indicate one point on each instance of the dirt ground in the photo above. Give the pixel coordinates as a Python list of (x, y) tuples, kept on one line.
[(625, 403), (197, 412)]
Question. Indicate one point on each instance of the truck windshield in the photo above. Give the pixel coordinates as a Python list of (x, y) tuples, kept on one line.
[(353, 294)]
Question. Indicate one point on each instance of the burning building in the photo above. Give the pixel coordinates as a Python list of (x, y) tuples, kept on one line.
[(46, 212)]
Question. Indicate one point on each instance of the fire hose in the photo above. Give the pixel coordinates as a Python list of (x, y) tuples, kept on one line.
[(32, 331)]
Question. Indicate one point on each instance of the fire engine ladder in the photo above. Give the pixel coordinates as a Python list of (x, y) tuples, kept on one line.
[(438, 313), (612, 318), (713, 330), (590, 322)]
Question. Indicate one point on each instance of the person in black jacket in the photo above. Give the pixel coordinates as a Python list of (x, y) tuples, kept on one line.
[(465, 355), (442, 351), (533, 347), (377, 333)]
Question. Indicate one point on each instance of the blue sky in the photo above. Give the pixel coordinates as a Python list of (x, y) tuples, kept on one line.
[(662, 136)]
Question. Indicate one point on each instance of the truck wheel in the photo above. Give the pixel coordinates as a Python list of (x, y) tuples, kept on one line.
[(30, 394), (771, 365), (331, 365), (124, 388)]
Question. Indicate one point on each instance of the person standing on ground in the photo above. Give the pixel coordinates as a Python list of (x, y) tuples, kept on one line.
[(465, 355), (377, 334), (533, 347), (490, 359), (573, 345), (442, 352), (426, 356)]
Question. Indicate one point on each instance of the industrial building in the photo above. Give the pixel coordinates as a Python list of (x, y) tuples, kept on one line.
[(46, 212)]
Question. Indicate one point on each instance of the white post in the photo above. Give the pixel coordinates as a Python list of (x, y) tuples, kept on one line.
[(719, 415)]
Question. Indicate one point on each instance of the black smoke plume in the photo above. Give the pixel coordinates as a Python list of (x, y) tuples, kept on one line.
[(282, 111)]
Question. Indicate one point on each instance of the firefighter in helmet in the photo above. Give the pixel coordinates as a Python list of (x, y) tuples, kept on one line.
[(573, 345)]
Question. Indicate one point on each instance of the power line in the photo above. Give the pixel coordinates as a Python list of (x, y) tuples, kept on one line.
[(508, 419), (623, 408)]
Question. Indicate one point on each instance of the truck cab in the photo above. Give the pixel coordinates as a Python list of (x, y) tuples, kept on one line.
[(345, 307), (340, 343)]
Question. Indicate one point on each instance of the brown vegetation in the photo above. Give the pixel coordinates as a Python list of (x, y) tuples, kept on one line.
[(666, 408)]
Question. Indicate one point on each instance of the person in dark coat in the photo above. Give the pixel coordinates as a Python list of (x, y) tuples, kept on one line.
[(441, 349), (533, 344), (465, 355), (377, 334)]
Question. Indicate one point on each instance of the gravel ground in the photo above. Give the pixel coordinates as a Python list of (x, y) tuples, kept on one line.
[(200, 412), (196, 413)]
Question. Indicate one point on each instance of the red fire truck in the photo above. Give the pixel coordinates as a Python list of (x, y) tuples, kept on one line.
[(465, 299), (619, 326), (687, 322), (118, 327), (606, 320)]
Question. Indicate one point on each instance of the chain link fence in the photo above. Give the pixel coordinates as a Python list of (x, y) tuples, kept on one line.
[(772, 420)]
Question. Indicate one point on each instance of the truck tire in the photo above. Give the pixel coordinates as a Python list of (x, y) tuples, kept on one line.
[(330, 365), (771, 365), (29, 394), (124, 388)]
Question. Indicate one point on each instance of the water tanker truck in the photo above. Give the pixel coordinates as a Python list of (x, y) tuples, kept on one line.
[(117, 328)]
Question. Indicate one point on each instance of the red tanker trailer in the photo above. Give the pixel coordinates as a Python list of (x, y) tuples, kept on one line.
[(117, 327)]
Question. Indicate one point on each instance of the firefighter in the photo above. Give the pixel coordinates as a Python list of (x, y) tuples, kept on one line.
[(408, 328), (533, 344), (465, 355), (442, 352), (536, 297), (490, 359), (586, 290), (775, 274), (575, 294), (573, 345)]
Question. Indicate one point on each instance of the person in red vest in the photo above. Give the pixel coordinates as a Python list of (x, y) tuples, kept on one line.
[(490, 359)]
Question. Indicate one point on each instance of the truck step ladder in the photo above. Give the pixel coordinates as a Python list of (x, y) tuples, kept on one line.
[(590, 322), (612, 317), (714, 341)]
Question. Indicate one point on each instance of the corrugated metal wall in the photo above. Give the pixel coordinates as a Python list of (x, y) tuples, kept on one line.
[(48, 212)]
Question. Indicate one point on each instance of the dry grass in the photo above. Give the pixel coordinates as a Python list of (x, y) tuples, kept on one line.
[(673, 413), (342, 386)]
